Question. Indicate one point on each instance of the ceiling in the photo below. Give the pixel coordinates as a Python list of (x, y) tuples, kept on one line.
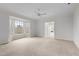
[(51, 9)]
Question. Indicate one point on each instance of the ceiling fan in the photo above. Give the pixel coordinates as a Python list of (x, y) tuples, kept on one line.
[(40, 12)]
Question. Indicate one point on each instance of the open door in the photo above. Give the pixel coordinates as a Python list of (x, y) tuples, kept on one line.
[(49, 29)]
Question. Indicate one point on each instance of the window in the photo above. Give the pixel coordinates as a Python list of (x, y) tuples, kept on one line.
[(18, 23), (19, 27)]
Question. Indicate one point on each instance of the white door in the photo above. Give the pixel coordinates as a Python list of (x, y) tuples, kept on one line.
[(49, 29)]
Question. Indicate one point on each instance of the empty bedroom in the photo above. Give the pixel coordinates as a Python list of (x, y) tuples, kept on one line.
[(39, 29)]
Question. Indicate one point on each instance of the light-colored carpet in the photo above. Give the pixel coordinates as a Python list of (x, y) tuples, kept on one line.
[(39, 47)]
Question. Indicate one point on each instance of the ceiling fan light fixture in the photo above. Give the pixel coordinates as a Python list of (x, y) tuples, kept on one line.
[(40, 12)]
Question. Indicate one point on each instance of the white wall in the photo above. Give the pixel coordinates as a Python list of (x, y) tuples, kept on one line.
[(63, 27), (76, 27), (33, 28), (4, 28)]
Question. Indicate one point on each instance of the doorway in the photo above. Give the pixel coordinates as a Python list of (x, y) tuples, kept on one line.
[(49, 29)]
